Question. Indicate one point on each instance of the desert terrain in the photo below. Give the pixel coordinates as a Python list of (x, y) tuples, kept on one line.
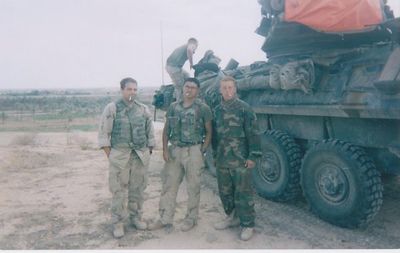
[(54, 195)]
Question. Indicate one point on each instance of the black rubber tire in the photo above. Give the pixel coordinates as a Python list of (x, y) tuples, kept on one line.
[(209, 161), (341, 184), (277, 174)]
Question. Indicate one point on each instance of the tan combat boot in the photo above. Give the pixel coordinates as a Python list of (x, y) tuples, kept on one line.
[(159, 225), (118, 231), (229, 221), (138, 223), (246, 234), (188, 224)]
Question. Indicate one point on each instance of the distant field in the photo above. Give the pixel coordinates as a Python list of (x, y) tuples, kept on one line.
[(59, 110)]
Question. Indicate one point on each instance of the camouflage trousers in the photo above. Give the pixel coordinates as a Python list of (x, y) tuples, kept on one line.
[(127, 182), (236, 193), (184, 161), (178, 76)]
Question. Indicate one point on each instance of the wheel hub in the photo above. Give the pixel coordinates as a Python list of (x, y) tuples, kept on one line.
[(270, 168), (332, 183)]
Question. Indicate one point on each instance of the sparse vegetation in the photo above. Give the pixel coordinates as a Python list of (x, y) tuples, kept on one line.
[(82, 141), (24, 139), (3, 117), (58, 110)]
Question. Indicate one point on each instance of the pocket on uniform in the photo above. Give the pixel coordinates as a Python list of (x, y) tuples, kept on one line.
[(188, 131), (236, 132), (117, 155), (113, 153), (240, 155), (172, 122), (145, 158), (172, 151), (139, 131), (232, 123), (139, 123)]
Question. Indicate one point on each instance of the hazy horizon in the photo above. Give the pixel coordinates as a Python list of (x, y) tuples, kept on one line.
[(113, 87), (70, 44)]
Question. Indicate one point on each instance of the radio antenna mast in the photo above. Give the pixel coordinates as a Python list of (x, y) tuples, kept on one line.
[(162, 53)]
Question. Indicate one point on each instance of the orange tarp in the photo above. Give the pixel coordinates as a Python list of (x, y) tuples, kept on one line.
[(335, 15)]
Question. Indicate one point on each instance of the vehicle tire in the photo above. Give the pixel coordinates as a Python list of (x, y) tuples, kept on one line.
[(209, 161), (277, 174), (341, 183)]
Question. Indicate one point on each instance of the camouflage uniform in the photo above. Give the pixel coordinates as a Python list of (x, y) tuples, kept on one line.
[(185, 129), (174, 66), (128, 130), (237, 140)]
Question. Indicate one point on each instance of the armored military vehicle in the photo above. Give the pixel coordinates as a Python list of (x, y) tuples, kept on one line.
[(328, 106)]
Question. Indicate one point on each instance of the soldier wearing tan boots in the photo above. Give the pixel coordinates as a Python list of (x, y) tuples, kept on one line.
[(126, 135), (188, 130)]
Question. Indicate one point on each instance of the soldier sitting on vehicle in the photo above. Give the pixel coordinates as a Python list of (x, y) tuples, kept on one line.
[(175, 63)]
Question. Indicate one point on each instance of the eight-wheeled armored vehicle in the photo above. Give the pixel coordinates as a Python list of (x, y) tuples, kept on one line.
[(328, 106)]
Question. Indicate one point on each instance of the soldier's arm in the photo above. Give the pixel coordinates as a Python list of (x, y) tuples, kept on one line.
[(151, 142), (252, 135), (214, 138), (105, 128), (165, 141), (190, 52), (165, 135), (207, 139), (208, 126)]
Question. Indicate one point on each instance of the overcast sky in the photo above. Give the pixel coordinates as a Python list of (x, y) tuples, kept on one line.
[(95, 43)]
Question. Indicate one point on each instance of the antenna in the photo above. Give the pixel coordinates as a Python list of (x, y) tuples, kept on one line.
[(162, 53), (162, 63)]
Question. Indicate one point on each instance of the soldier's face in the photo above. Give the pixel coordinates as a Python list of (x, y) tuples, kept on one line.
[(228, 90), (129, 92), (190, 90)]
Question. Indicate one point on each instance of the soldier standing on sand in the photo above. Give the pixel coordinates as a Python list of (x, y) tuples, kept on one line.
[(126, 135), (238, 146), (188, 129), (175, 63)]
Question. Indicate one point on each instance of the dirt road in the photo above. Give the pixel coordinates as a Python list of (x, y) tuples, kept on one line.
[(54, 195)]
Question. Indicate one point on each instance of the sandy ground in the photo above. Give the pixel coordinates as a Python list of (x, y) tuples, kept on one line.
[(54, 195)]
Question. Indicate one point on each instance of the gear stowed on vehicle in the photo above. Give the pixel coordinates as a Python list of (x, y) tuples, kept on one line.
[(328, 104)]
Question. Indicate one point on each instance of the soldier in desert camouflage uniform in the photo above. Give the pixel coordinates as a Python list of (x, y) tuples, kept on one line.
[(126, 135), (237, 140), (188, 129)]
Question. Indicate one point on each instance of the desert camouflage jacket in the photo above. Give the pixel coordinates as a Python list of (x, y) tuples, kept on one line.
[(186, 126), (126, 126)]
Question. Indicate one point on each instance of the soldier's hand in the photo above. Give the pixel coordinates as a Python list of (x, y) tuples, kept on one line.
[(203, 149), (249, 164), (151, 150), (166, 155), (107, 150)]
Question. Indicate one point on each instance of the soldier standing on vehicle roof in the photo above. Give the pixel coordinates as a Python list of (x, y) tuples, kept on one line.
[(126, 135), (175, 63)]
